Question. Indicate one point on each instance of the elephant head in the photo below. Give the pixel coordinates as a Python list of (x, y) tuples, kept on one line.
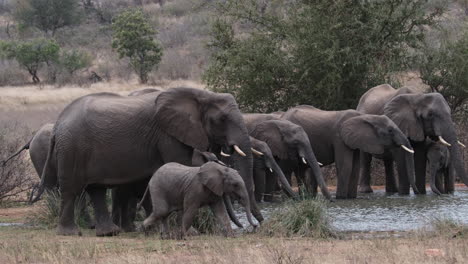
[(208, 121), (427, 115), (289, 141), (225, 182), (262, 152), (376, 133)]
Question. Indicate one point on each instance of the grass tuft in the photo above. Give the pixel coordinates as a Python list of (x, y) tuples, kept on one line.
[(306, 218), (447, 227)]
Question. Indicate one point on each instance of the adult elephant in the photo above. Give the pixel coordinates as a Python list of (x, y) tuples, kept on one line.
[(419, 116), (338, 136), (266, 171), (291, 148), (104, 140)]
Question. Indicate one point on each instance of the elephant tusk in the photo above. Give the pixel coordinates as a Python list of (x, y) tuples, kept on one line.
[(407, 149), (320, 164), (461, 144), (303, 160), (238, 150), (271, 170), (442, 140), (256, 152), (224, 154)]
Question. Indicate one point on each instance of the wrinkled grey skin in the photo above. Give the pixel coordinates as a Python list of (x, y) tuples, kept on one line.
[(103, 140), (338, 136), (438, 162), (266, 173), (175, 187), (419, 116), (289, 145), (144, 91)]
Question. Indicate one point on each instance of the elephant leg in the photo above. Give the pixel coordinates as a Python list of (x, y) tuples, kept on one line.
[(390, 183), (84, 212), (122, 213), (219, 210), (260, 182), (309, 180), (270, 186), (104, 224), (403, 182), (347, 167), (364, 176), (116, 208), (420, 161), (187, 219), (67, 225), (449, 180)]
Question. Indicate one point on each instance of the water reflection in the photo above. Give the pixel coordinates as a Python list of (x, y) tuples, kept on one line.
[(381, 212)]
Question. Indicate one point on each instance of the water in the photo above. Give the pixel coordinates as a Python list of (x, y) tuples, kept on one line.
[(381, 212)]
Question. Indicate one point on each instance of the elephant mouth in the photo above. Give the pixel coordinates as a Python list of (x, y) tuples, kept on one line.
[(227, 151)]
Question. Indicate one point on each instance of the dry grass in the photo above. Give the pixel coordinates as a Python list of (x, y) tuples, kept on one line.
[(27, 245)]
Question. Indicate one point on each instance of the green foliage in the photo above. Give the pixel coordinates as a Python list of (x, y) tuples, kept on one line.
[(306, 218), (445, 70), (323, 53), (74, 60), (31, 55), (133, 37), (47, 15)]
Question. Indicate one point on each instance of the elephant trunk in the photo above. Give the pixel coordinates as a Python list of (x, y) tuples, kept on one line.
[(409, 160), (284, 182), (230, 210), (433, 173), (317, 173), (244, 165), (245, 202), (455, 154)]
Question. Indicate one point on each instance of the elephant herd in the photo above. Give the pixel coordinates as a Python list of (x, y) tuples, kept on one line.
[(158, 146)]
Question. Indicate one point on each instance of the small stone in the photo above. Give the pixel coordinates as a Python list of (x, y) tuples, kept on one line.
[(434, 252)]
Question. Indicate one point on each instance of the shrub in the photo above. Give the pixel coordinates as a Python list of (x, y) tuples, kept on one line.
[(74, 60), (445, 70), (306, 218), (133, 37), (31, 55), (47, 15), (15, 178), (445, 227), (323, 53)]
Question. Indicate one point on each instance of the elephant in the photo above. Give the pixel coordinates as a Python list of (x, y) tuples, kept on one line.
[(338, 136), (175, 187), (419, 116), (438, 162), (290, 146), (265, 172), (143, 91), (104, 140)]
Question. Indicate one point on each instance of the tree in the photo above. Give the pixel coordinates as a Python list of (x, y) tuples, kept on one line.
[(445, 70), (74, 60), (133, 37), (48, 15), (31, 55), (321, 52)]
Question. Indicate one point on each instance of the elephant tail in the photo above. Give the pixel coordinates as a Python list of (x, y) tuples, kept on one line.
[(143, 198), (3, 163), (48, 176)]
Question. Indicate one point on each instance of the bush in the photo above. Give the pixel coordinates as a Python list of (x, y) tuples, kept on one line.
[(307, 218), (74, 60), (133, 37), (445, 70), (31, 55), (15, 180), (47, 15), (323, 53)]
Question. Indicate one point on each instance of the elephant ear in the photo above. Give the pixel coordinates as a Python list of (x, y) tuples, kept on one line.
[(178, 114), (270, 133), (400, 110), (201, 157), (358, 133), (212, 177)]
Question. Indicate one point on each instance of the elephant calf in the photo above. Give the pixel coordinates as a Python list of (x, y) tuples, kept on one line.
[(438, 162), (175, 187)]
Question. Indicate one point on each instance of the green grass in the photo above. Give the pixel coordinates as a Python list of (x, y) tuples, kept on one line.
[(306, 218)]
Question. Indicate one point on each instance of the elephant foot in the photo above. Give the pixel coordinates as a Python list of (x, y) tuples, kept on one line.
[(68, 230), (107, 230), (129, 228), (365, 189), (391, 190)]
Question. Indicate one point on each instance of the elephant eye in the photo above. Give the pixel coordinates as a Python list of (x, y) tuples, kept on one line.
[(390, 130)]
